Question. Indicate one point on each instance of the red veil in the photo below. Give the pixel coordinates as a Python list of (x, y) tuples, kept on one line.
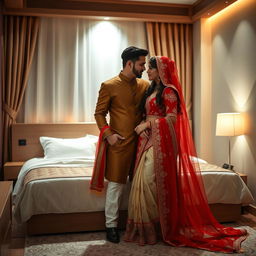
[(185, 217)]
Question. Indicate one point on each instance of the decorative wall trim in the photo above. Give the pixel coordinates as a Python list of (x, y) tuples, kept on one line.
[(116, 9)]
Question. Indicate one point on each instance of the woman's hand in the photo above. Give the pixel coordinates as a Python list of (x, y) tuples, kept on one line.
[(145, 134), (142, 127)]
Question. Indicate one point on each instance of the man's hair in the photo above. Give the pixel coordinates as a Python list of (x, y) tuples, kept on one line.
[(132, 53)]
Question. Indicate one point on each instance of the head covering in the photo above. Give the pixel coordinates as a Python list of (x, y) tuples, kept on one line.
[(184, 210), (132, 52), (168, 74)]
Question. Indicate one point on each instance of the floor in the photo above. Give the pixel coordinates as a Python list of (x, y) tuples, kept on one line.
[(18, 240), (18, 234)]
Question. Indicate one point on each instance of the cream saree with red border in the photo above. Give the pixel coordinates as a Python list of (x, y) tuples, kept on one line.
[(184, 215)]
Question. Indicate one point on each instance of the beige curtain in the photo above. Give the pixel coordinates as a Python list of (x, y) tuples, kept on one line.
[(1, 120), (20, 36), (174, 41)]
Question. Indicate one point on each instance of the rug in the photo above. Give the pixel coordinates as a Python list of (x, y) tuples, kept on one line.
[(94, 244)]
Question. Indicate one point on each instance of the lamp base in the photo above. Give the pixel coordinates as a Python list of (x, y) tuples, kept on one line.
[(228, 166)]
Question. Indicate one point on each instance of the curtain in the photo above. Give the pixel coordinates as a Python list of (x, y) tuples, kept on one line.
[(20, 35), (74, 56), (1, 103), (174, 41)]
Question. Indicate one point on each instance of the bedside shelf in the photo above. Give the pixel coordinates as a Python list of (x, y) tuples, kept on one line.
[(243, 177), (5, 216), (11, 170)]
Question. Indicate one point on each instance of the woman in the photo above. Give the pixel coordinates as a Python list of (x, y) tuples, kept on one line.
[(167, 187)]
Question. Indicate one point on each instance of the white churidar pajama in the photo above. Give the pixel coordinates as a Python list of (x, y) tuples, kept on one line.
[(113, 196)]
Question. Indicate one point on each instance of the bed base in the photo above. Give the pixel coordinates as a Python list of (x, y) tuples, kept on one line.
[(95, 221), (226, 212), (70, 222)]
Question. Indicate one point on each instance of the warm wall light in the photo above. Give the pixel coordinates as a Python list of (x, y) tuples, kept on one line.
[(229, 124), (230, 9)]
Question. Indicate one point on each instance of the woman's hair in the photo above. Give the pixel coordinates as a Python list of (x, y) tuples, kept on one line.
[(150, 90)]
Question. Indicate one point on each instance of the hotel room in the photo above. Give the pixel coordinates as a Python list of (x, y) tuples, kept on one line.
[(54, 57)]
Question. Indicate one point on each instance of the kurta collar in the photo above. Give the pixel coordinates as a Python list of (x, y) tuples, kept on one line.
[(127, 79)]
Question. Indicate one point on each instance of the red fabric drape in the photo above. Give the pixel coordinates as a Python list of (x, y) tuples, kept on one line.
[(97, 180), (185, 217)]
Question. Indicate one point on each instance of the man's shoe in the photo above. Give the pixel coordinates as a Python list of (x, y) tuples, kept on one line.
[(112, 235)]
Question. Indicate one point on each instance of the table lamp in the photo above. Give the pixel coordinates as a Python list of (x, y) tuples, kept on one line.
[(229, 124)]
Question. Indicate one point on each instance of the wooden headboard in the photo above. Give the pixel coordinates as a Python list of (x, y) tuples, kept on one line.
[(25, 137)]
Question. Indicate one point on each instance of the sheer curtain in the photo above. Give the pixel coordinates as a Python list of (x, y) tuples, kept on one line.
[(73, 58)]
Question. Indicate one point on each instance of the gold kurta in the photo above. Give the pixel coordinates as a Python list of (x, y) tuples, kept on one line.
[(120, 97)]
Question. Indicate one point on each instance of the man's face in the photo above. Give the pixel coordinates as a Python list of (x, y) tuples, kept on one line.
[(139, 66)]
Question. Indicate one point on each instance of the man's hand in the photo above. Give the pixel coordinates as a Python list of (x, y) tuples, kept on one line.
[(142, 127), (112, 139)]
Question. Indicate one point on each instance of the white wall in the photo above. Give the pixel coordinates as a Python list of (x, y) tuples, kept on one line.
[(197, 85), (232, 84), (202, 89)]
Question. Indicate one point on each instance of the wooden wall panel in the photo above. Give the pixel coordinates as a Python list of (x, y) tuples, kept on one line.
[(32, 132), (111, 6), (14, 3), (116, 9), (122, 10), (207, 8)]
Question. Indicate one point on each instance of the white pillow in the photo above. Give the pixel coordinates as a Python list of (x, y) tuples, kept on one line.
[(83, 147), (92, 138), (197, 159)]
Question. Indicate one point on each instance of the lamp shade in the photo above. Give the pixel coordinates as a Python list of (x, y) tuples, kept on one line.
[(229, 124)]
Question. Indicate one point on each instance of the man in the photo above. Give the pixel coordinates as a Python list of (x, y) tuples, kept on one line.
[(120, 97)]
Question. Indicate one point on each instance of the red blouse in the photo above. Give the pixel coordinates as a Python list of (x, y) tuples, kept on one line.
[(169, 104)]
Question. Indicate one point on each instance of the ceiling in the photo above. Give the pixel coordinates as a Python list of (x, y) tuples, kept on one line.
[(168, 1), (172, 11)]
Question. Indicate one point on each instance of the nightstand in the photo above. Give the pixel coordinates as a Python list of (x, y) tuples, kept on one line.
[(11, 170), (243, 177), (5, 216)]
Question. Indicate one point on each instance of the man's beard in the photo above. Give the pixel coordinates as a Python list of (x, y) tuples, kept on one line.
[(137, 73)]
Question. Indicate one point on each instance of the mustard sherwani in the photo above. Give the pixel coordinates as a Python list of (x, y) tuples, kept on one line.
[(120, 97)]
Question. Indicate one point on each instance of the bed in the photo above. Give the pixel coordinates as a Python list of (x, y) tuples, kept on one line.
[(52, 195)]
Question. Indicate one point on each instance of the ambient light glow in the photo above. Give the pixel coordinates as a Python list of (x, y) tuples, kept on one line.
[(105, 35), (229, 10), (238, 78)]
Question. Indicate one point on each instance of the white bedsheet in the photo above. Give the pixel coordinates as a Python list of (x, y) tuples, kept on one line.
[(59, 195), (226, 187), (73, 194), (42, 162)]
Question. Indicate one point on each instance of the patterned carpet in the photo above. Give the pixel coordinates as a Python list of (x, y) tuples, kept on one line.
[(94, 244)]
